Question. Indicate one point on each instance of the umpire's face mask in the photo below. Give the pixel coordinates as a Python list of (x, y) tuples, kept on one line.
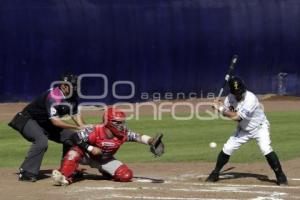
[(67, 89)]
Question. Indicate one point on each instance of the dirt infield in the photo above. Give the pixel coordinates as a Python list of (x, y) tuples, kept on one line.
[(163, 180)]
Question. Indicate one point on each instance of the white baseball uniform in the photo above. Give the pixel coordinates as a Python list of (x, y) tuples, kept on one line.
[(254, 124)]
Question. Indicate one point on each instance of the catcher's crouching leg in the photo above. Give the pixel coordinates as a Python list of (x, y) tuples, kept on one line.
[(68, 167), (123, 174)]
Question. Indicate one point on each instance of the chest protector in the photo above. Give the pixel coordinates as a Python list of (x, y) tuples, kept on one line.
[(107, 145)]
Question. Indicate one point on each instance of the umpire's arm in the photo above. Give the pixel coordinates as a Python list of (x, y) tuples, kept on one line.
[(56, 121), (78, 120), (62, 124)]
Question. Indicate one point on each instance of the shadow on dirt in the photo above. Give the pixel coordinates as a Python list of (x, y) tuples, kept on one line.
[(238, 175), (87, 176), (45, 174), (104, 176)]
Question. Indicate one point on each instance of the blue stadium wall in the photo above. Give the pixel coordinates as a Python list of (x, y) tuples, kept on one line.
[(160, 45)]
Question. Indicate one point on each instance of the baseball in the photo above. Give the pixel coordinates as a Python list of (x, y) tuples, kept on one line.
[(213, 145)]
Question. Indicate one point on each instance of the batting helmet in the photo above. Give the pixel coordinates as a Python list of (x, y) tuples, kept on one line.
[(114, 120), (236, 85)]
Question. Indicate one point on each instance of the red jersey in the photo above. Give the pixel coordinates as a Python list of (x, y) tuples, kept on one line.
[(99, 139)]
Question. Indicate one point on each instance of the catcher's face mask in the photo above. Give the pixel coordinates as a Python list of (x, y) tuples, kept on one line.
[(119, 125), (114, 120)]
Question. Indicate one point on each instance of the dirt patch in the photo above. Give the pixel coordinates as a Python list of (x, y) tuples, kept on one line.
[(8, 110), (162, 181), (272, 97)]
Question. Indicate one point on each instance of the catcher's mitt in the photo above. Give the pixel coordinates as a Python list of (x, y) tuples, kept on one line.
[(157, 147)]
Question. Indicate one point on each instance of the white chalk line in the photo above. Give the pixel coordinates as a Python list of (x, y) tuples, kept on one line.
[(233, 185), (268, 195), (184, 176), (214, 189), (231, 191), (217, 188), (210, 187), (266, 198), (162, 198), (217, 184)]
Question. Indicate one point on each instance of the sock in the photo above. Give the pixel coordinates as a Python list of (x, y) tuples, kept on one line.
[(222, 160), (274, 162)]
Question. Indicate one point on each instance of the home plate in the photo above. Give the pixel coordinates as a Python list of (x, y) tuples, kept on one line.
[(143, 180), (148, 180)]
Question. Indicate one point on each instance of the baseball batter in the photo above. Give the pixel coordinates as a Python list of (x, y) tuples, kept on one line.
[(96, 147), (243, 106)]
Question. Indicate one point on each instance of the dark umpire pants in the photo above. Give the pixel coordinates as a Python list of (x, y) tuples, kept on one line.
[(34, 133)]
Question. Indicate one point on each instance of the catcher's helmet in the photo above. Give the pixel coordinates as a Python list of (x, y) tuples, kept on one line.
[(114, 120), (236, 85)]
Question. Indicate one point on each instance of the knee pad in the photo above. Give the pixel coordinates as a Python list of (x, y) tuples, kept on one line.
[(71, 162), (123, 174)]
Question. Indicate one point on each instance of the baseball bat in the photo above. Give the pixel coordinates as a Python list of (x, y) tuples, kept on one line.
[(227, 76)]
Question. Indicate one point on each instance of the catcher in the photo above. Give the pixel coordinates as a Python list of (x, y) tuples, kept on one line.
[(96, 147)]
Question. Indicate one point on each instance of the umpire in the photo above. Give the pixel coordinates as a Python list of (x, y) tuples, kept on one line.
[(40, 121)]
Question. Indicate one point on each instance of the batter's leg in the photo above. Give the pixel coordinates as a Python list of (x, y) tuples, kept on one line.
[(221, 161), (274, 163), (232, 144), (264, 142)]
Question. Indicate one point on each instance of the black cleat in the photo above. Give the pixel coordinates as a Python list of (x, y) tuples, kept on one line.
[(27, 176), (213, 177), (281, 179), (78, 174)]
